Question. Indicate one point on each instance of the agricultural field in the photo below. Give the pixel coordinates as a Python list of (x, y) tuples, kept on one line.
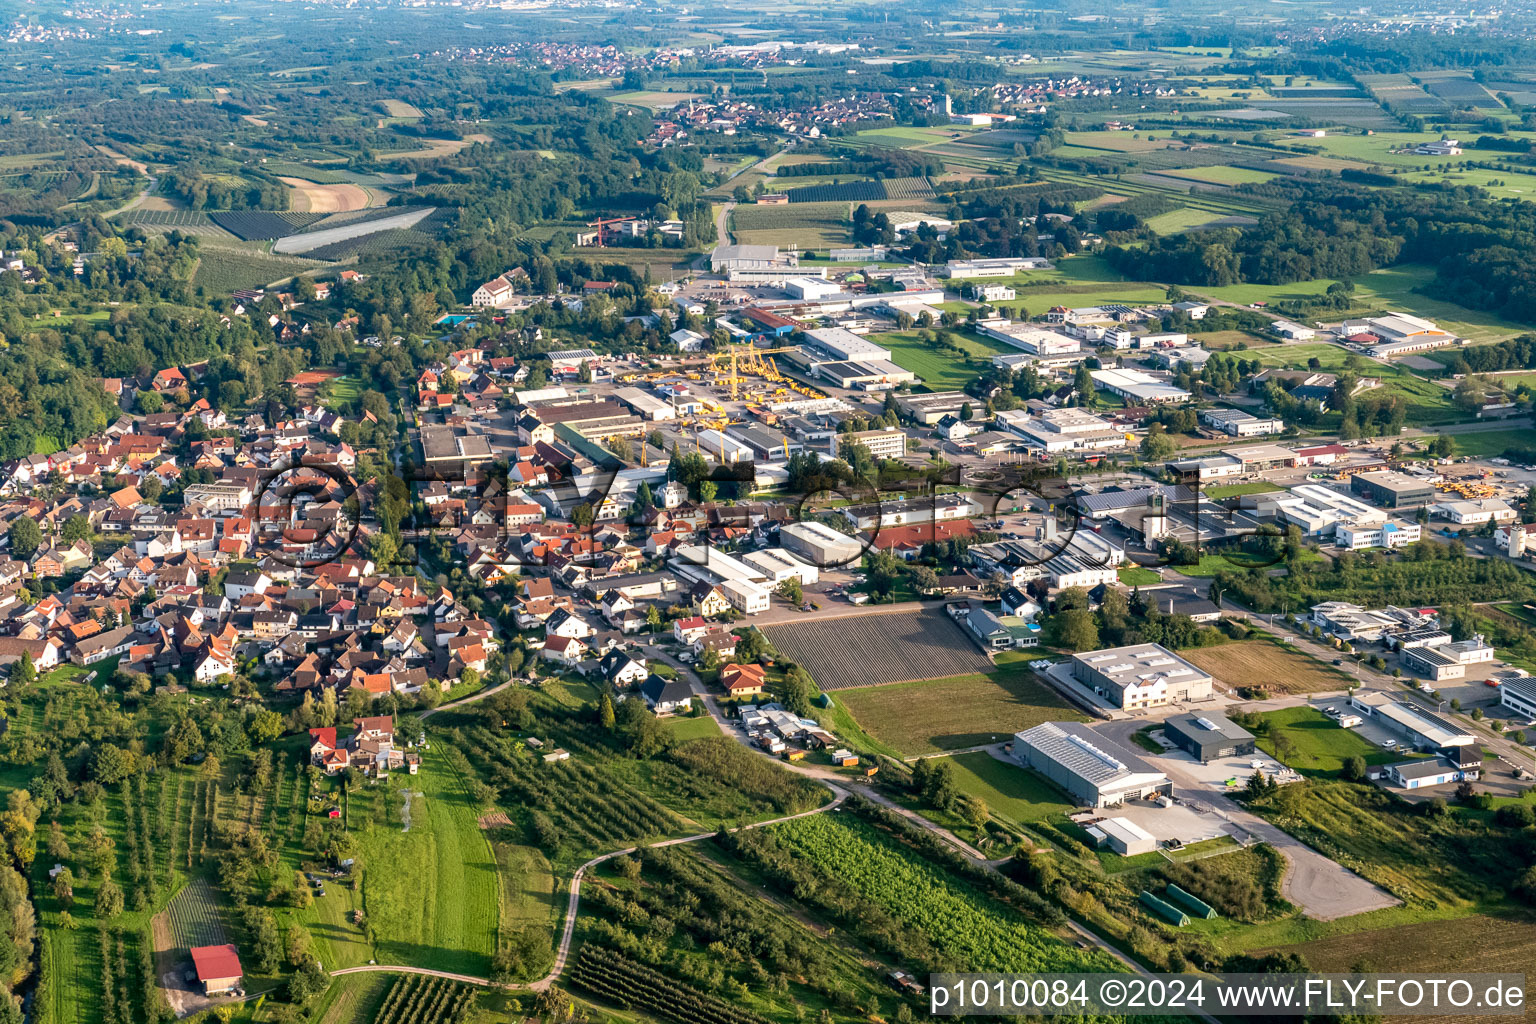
[(193, 917), (312, 197), (260, 225), (1219, 174), (1315, 744), (960, 922), (655, 100), (728, 925), (902, 137), (416, 999), (1181, 219), (400, 108), (935, 715), (799, 225), (600, 800), (434, 148), (353, 999), (318, 237), (868, 650), (861, 191), (1477, 942), (222, 271), (1260, 663)]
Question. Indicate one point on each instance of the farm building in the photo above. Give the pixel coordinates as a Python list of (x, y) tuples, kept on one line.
[(218, 968), (1093, 770), (1208, 736)]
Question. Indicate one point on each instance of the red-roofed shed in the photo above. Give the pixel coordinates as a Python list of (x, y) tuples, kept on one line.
[(218, 968)]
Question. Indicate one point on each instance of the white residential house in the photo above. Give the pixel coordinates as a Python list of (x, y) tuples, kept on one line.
[(567, 624)]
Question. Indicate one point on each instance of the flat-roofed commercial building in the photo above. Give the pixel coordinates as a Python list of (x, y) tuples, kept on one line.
[(1138, 388), (887, 443), (1424, 729), (779, 564), (1519, 696), (1392, 490), (1123, 836), (839, 344), (1356, 536), (444, 449), (1241, 424), (646, 404), (1209, 736), (1007, 266), (821, 545), (1030, 339), (1141, 676), (1446, 660), (928, 409), (1063, 430), (866, 375), (1093, 769)]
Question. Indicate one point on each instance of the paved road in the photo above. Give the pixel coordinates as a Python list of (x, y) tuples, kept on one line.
[(723, 223), (472, 698), (1322, 888)]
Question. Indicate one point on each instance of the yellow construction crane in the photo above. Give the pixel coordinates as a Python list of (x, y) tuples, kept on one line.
[(751, 359)]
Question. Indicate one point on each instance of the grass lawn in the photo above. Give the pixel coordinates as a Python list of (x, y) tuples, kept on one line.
[(1316, 744), (1492, 442), (1233, 490), (1010, 790), (701, 727), (431, 892), (341, 389), (1499, 184), (935, 715), (1139, 577), (1213, 562), (941, 370)]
